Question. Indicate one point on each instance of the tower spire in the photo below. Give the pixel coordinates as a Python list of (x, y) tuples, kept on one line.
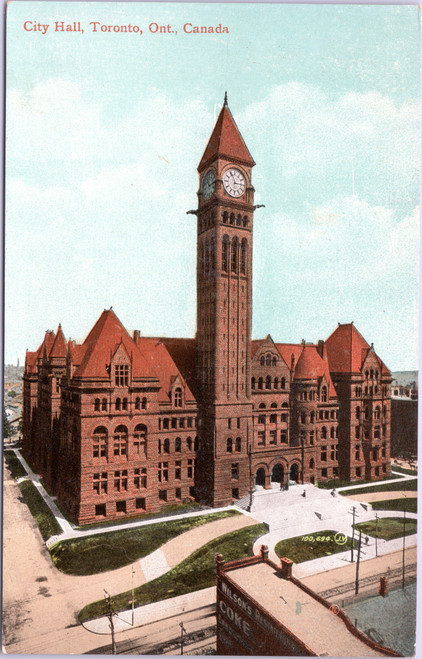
[(225, 99)]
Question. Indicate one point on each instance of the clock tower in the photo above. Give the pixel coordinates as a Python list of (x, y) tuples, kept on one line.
[(224, 311)]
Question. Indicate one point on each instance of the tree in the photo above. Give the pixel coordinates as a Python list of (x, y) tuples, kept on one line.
[(7, 428)]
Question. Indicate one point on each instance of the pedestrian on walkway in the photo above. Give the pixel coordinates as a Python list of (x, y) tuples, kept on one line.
[(304, 493)]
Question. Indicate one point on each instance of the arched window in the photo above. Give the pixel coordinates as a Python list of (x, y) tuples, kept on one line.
[(273, 405), (140, 440), (262, 406), (268, 360), (238, 444), (166, 445), (118, 403), (324, 394), (99, 442), (376, 375), (212, 254), (235, 250), (239, 220), (243, 256), (120, 440), (124, 404), (285, 405), (262, 360), (177, 445), (189, 443), (311, 463), (323, 432), (225, 254), (275, 383), (104, 404), (97, 405), (232, 218), (274, 361), (178, 397), (372, 373), (367, 374), (144, 403), (253, 383), (229, 445), (283, 383), (260, 383), (207, 257), (268, 382), (245, 220), (138, 403), (225, 217), (332, 432)]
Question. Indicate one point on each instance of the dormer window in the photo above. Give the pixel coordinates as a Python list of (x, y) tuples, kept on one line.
[(324, 394), (121, 375), (178, 397)]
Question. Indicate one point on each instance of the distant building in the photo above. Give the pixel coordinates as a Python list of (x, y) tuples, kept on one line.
[(404, 415), (120, 425), (262, 610)]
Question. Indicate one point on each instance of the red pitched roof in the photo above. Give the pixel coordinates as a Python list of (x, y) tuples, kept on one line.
[(59, 346), (32, 357), (162, 355), (286, 350), (311, 366), (347, 350), (226, 141), (102, 342)]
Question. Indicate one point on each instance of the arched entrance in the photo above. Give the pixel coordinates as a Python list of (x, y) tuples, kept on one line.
[(277, 474), (260, 477), (294, 473)]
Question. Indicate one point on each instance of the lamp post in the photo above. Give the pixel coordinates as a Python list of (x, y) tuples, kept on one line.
[(250, 478), (133, 598), (404, 543)]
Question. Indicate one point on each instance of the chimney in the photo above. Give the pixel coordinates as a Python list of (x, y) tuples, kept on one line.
[(320, 348), (286, 566), (136, 335), (303, 342), (292, 362)]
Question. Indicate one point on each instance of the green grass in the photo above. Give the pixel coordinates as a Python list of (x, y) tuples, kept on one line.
[(313, 545), (404, 484), (410, 505), (194, 573), (110, 551), (338, 482), (402, 470), (40, 511), (389, 528), (14, 465), (167, 511)]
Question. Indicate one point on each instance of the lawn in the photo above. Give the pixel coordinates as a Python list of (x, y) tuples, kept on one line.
[(194, 573), (389, 528), (313, 545), (402, 470), (328, 485), (403, 484), (109, 551), (410, 504), (14, 465), (168, 511), (39, 510)]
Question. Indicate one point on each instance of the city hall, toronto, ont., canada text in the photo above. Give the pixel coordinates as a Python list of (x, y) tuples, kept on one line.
[(123, 424)]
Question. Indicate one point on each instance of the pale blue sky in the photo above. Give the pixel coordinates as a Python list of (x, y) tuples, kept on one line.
[(105, 131)]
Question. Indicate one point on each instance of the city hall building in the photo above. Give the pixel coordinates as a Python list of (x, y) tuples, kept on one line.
[(123, 424)]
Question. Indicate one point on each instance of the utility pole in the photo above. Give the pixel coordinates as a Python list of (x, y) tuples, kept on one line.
[(110, 614), (182, 638), (353, 534), (133, 598), (250, 478), (357, 566), (376, 534), (404, 543)]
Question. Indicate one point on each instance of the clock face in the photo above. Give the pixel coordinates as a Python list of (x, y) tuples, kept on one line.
[(208, 184), (234, 182)]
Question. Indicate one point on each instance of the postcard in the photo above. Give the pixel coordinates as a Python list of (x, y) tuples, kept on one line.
[(211, 322)]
